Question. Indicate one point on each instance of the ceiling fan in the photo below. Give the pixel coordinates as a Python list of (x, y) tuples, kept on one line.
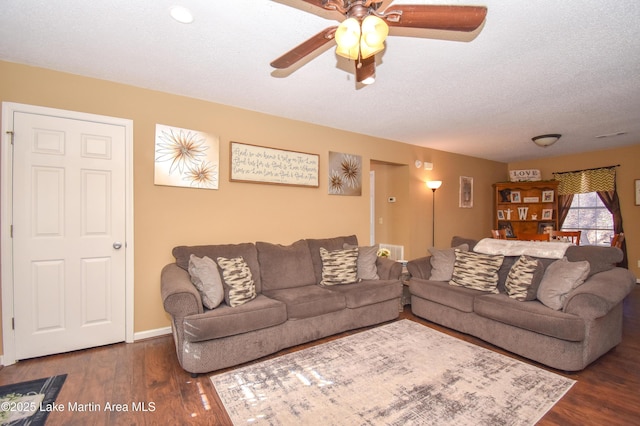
[(361, 35)]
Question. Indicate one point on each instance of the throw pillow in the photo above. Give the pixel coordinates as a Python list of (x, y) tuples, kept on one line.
[(339, 266), (559, 279), (524, 278), (476, 271), (366, 265), (205, 276), (239, 285), (442, 261)]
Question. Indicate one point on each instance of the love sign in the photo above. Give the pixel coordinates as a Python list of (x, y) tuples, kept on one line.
[(524, 175)]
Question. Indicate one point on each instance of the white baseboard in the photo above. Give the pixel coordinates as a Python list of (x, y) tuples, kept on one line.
[(140, 335)]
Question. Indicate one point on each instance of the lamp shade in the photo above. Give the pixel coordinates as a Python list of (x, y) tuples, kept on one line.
[(434, 184), (348, 39), (546, 140), (374, 33)]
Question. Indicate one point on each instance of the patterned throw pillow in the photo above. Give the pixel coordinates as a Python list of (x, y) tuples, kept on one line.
[(339, 266), (476, 271), (524, 278), (205, 276), (239, 285)]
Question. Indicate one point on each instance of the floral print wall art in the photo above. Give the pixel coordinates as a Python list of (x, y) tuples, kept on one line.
[(186, 158), (345, 174)]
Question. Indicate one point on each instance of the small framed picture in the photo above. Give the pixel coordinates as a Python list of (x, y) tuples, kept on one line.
[(531, 199), (466, 192), (547, 214), (637, 192), (500, 214), (546, 227), (515, 196), (508, 227), (547, 196)]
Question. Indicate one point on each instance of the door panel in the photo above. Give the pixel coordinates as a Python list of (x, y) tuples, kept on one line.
[(69, 209)]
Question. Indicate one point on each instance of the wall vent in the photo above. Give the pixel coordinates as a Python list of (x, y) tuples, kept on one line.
[(397, 252)]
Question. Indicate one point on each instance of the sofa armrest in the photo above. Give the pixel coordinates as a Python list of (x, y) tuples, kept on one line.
[(420, 268), (180, 297), (600, 293), (388, 269)]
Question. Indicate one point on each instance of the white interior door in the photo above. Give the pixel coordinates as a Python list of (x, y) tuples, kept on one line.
[(69, 234)]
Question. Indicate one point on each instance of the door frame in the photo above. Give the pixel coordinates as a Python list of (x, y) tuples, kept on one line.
[(6, 216)]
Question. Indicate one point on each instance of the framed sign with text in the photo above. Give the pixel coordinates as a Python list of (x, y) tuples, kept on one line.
[(259, 164)]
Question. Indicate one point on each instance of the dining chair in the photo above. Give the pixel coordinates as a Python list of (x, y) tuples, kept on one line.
[(617, 240), (569, 236), (532, 237), (499, 234)]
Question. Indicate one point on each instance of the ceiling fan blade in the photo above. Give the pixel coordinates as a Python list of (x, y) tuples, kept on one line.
[(304, 49), (317, 3), (436, 17), (325, 9)]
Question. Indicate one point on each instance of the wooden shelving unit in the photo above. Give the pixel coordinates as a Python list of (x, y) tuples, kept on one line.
[(525, 207)]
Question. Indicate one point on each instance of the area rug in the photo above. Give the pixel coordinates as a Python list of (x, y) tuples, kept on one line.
[(29, 403), (402, 373)]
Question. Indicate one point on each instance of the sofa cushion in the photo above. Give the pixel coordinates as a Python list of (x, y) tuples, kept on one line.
[(530, 315), (442, 261), (285, 266), (308, 301), (503, 272), (339, 266), (600, 258), (476, 271), (206, 277), (559, 279), (441, 292), (367, 258), (261, 312), (524, 278), (456, 241), (369, 292), (245, 250), (239, 287), (329, 244)]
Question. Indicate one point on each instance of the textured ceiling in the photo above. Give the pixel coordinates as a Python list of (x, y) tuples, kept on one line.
[(535, 67)]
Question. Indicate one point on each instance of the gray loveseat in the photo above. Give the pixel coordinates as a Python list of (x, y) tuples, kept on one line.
[(290, 306), (586, 324)]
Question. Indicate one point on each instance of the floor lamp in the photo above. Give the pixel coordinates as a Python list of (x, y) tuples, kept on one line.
[(434, 184)]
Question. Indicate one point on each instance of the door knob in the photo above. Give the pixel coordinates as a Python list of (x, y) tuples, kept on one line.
[(117, 245)]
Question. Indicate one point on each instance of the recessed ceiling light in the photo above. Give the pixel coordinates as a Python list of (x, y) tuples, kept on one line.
[(181, 14), (611, 135)]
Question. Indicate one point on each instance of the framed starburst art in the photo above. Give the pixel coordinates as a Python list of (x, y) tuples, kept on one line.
[(187, 158), (345, 174)]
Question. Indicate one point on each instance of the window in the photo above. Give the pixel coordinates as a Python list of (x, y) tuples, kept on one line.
[(589, 215)]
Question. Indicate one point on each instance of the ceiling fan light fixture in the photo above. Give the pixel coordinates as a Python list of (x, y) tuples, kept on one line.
[(369, 80), (546, 140), (366, 71), (348, 38), (374, 33)]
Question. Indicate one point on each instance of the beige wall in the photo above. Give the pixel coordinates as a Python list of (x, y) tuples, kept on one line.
[(167, 216), (629, 160)]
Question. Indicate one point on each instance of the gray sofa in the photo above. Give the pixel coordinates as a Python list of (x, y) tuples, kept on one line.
[(588, 324), (290, 306)]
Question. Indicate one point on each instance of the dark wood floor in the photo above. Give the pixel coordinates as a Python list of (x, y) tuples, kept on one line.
[(147, 372)]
